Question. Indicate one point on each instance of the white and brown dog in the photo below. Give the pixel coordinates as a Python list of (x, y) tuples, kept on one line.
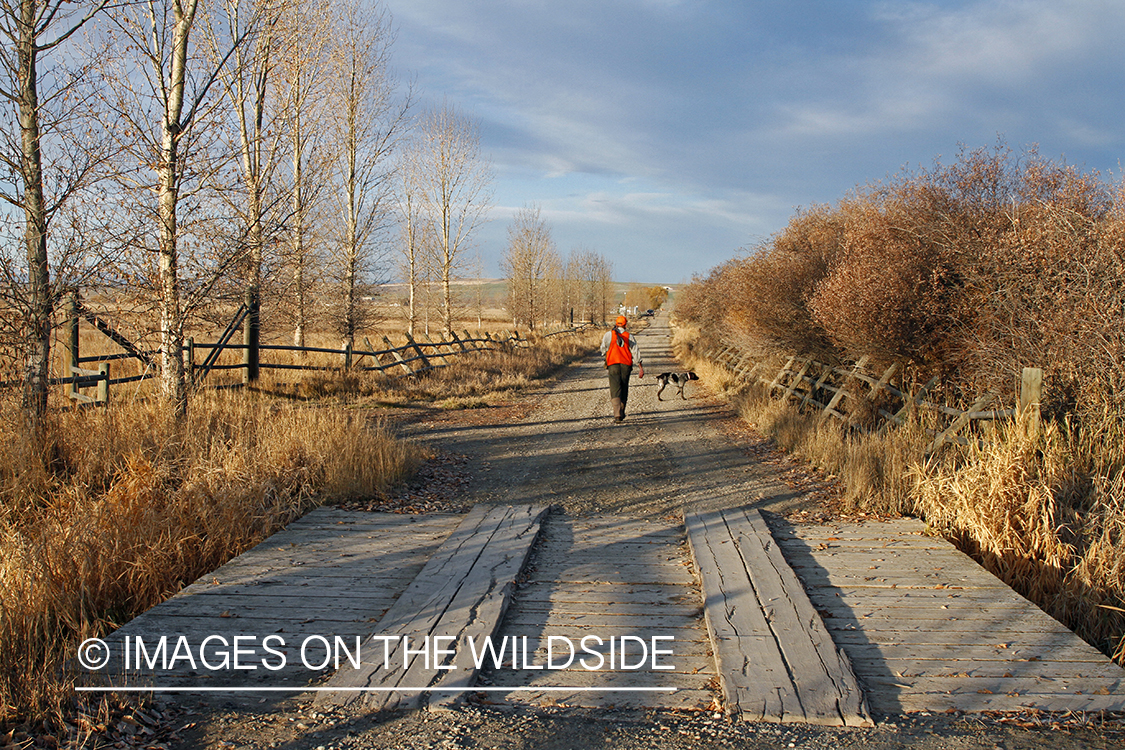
[(680, 379)]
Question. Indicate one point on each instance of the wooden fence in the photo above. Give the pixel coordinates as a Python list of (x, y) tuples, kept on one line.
[(824, 387), (413, 358)]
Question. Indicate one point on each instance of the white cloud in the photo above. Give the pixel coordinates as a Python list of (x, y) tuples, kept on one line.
[(717, 117)]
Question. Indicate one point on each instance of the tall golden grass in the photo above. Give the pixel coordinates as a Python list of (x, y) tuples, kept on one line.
[(126, 506), (1045, 512)]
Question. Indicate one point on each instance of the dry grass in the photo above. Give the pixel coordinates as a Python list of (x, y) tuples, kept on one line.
[(872, 468), (466, 381), (128, 506), (125, 506), (1044, 512)]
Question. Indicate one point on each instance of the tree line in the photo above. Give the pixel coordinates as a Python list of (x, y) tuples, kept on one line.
[(544, 287), (188, 151)]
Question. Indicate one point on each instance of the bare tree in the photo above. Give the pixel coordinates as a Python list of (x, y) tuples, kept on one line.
[(30, 29), (163, 102), (603, 287), (530, 263), (309, 29), (414, 239), (591, 276), (455, 185), (247, 81), (369, 119)]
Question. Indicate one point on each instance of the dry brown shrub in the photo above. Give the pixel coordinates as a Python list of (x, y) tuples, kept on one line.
[(890, 292), (975, 270), (768, 294)]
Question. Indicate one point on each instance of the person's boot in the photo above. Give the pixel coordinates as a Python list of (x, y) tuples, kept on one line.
[(618, 409)]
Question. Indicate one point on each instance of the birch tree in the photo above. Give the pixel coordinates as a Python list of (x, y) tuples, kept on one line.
[(531, 263), (305, 86), (250, 87), (164, 102), (368, 120), (413, 239), (455, 185), (33, 120)]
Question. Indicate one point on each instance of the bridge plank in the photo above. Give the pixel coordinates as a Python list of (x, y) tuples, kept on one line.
[(462, 591)]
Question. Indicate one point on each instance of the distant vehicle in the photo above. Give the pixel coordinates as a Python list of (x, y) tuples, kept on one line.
[(649, 313)]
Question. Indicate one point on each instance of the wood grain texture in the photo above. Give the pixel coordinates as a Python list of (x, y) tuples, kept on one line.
[(927, 629), (461, 593), (776, 658)]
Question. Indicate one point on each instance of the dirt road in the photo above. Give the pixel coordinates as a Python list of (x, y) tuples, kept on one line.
[(567, 452), (570, 453)]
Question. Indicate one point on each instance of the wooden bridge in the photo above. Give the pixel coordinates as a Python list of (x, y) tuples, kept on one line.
[(826, 624)]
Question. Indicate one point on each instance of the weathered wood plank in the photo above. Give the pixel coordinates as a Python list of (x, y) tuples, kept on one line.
[(462, 591), (828, 688), (917, 646), (292, 608), (753, 675), (911, 668)]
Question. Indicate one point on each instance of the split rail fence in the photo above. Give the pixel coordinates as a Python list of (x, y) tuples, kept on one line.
[(823, 387), (412, 358)]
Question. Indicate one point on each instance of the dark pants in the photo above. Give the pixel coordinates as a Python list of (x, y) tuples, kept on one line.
[(619, 384)]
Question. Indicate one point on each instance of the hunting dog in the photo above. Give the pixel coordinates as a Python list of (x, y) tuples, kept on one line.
[(680, 379)]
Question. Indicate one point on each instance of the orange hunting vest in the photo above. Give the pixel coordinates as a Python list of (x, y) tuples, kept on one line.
[(618, 352)]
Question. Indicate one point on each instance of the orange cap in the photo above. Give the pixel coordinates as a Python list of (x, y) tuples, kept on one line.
[(621, 320)]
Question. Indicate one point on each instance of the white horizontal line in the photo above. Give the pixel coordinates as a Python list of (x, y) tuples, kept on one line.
[(515, 689)]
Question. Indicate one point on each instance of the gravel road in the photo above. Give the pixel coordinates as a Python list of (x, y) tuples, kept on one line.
[(563, 449)]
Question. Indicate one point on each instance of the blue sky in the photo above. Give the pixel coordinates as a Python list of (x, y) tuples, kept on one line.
[(667, 134)]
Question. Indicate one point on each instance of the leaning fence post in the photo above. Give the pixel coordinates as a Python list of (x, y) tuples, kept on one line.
[(393, 351), (797, 379), (780, 373), (1031, 393), (418, 350)]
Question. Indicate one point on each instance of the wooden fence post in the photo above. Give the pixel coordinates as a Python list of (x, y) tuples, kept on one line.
[(912, 402), (103, 384), (879, 385), (397, 356), (960, 422), (189, 363), (842, 391), (826, 370), (1031, 393), (72, 353), (797, 379), (784, 369), (418, 350), (252, 338), (348, 355)]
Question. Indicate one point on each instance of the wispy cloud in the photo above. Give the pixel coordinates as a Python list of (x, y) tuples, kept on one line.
[(711, 119)]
